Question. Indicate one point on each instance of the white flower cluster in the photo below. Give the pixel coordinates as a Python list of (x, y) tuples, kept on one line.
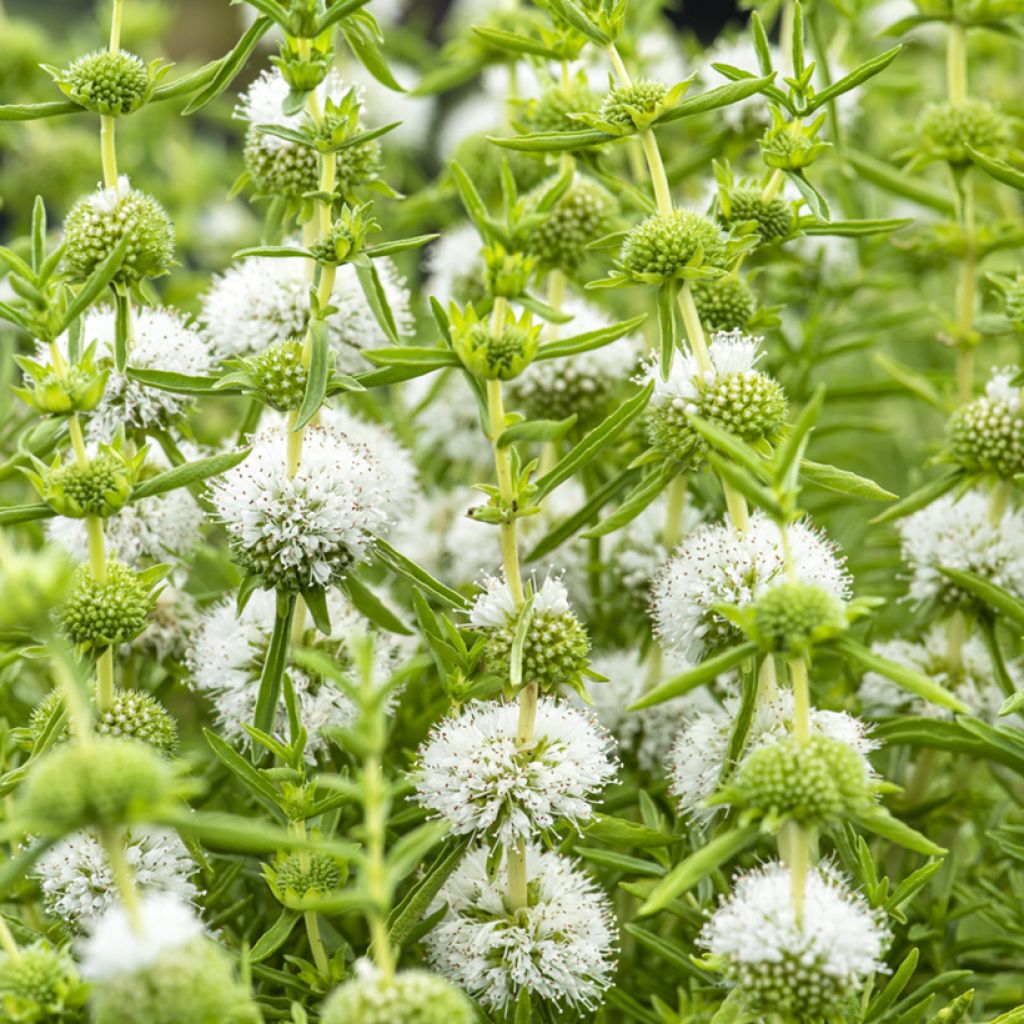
[(560, 947), (471, 772), (716, 565), (730, 352)]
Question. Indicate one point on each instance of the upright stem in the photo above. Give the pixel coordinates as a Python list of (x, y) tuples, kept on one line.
[(108, 152), (956, 636), (517, 894), (675, 508), (113, 845), (7, 943), (956, 63), (966, 291), (115, 25), (506, 491), (801, 699), (376, 879)]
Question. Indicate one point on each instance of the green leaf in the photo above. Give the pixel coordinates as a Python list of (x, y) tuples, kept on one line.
[(476, 208), (568, 11), (524, 1007), (552, 142), (25, 514), (367, 602), (860, 74), (188, 473), (592, 443), (899, 182), (230, 65), (516, 43), (729, 444), (689, 680), (687, 873), (239, 766), (882, 823), (122, 326), (853, 228), (15, 868), (273, 667), (916, 383), (316, 604), (625, 833), (320, 360), (419, 576), (399, 245), (578, 343), (721, 96), (670, 950), (180, 383), (998, 169), (515, 671), (427, 359), (994, 596), (667, 330), (370, 55), (274, 937), (918, 499), (816, 202), (620, 861), (412, 908), (842, 481), (639, 497), (336, 11), (409, 852), (536, 430), (910, 679), (377, 299), (943, 735), (97, 282), (36, 111), (896, 984)]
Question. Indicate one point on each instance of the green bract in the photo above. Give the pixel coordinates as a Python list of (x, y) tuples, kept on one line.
[(680, 244), (107, 83)]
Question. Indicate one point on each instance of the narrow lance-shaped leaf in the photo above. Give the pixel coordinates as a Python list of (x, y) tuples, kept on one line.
[(230, 65), (861, 74), (273, 668), (320, 358), (707, 670), (188, 473), (918, 499)]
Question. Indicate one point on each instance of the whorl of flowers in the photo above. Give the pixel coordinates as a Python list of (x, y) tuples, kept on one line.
[(716, 565), (471, 772), (987, 434), (560, 947), (305, 530), (959, 533), (699, 756), (807, 967), (732, 394), (78, 884)]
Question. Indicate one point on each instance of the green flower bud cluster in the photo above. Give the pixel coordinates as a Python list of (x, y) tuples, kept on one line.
[(280, 374), (290, 170), (947, 129), (748, 403), (109, 781), (347, 237), (99, 614), (583, 213), (41, 986), (793, 616), (134, 715), (411, 997), (633, 106), (772, 218), (507, 273), (724, 303), (1011, 292), (61, 390), (106, 83), (195, 983), (817, 782), (554, 652), (669, 245), (98, 222), (492, 354), (792, 145), (357, 164), (987, 435), (303, 72), (553, 110), (101, 487), (290, 880)]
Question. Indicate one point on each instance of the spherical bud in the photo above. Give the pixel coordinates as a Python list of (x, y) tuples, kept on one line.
[(793, 616), (194, 982), (105, 782), (280, 373), (947, 129), (668, 244), (412, 997), (507, 273), (556, 645), (817, 782), (98, 614), (582, 214), (772, 218), (987, 435), (346, 238), (300, 874), (134, 715), (354, 165), (98, 222), (724, 303), (491, 354), (290, 170), (106, 83), (32, 584), (553, 110), (100, 488), (791, 145), (40, 986), (59, 391), (303, 73), (633, 106)]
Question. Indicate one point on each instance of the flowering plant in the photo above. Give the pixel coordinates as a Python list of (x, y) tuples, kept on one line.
[(544, 546)]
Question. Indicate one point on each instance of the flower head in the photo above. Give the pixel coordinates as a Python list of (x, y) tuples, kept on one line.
[(717, 565), (560, 947), (987, 434), (959, 533), (471, 771), (779, 964), (305, 530)]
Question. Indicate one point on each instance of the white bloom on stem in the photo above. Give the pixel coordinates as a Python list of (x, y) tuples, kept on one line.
[(960, 534), (471, 772), (117, 944), (78, 884), (1000, 388), (729, 352), (780, 962), (974, 682), (699, 755), (261, 301), (161, 340), (494, 606), (308, 529), (717, 565), (561, 947)]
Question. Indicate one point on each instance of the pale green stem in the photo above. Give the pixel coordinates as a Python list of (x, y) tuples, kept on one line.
[(105, 679), (76, 708), (316, 945), (506, 491), (112, 841), (999, 501), (795, 851), (376, 879), (966, 294), (801, 699), (956, 63), (672, 532), (774, 186), (108, 150), (956, 637), (115, 25), (7, 943)]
